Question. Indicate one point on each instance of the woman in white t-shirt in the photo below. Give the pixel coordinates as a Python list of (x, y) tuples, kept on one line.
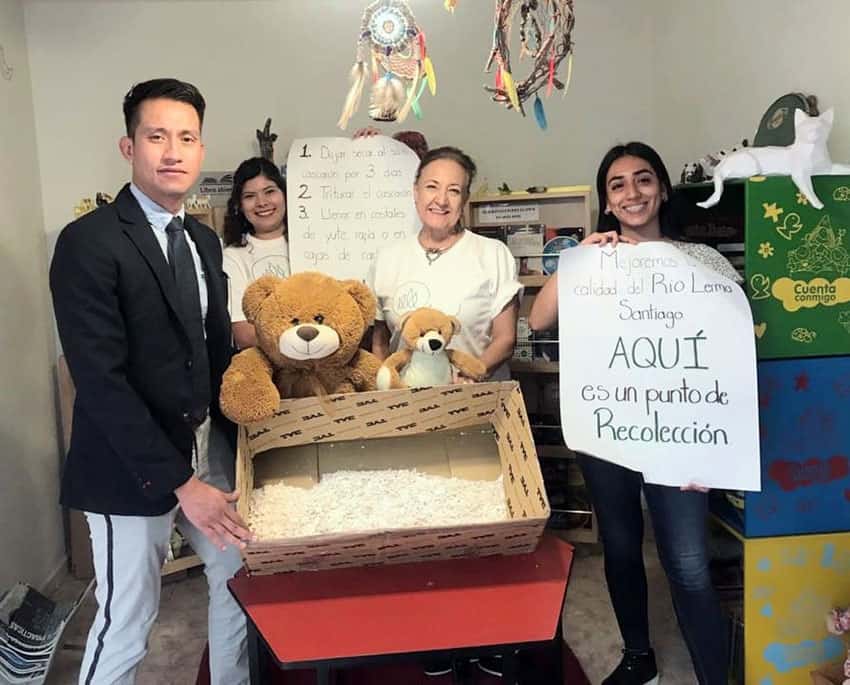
[(450, 269), (254, 236), (635, 206)]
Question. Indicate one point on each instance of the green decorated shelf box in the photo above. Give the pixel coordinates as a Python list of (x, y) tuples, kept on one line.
[(796, 259)]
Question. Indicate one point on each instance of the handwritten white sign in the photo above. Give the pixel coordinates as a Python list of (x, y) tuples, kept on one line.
[(345, 199), (658, 366)]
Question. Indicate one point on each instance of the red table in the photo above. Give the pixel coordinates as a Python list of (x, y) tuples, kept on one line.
[(454, 608)]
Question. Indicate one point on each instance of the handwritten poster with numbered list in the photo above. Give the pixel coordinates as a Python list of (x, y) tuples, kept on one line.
[(345, 199)]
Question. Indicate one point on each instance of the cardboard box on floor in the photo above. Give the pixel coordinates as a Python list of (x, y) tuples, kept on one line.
[(475, 431)]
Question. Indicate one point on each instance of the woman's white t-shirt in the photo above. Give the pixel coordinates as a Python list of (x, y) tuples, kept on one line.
[(473, 280), (244, 265)]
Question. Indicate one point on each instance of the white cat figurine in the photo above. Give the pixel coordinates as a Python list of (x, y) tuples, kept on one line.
[(807, 156)]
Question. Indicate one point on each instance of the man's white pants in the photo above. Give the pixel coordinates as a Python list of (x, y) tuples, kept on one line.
[(128, 555)]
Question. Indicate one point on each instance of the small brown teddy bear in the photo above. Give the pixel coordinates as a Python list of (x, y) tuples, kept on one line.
[(427, 333), (309, 328)]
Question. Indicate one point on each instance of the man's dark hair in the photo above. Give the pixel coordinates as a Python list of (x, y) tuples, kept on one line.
[(168, 88)]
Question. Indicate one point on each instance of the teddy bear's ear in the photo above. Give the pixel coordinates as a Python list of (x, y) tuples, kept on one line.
[(364, 298), (455, 325), (256, 294)]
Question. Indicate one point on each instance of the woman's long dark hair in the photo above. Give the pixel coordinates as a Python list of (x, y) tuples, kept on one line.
[(668, 218), (236, 226)]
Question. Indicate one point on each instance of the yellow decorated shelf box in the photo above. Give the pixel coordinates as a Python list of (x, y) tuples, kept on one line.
[(791, 583)]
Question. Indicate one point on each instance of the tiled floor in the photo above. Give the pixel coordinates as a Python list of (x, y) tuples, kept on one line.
[(178, 638)]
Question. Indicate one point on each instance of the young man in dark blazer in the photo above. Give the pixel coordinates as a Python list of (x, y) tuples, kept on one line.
[(141, 306)]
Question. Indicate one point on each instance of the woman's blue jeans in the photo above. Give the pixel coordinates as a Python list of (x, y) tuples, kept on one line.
[(679, 522)]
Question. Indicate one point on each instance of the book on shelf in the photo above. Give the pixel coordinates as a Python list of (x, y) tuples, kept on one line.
[(526, 243), (522, 348), (536, 246)]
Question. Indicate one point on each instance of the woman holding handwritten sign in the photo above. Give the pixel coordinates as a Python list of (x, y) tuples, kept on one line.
[(634, 199), (254, 236), (449, 268)]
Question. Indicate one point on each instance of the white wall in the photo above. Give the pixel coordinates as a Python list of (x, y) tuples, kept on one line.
[(289, 59), (720, 63), (31, 538), (689, 76)]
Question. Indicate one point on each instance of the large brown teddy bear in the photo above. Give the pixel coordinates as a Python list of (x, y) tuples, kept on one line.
[(309, 328)]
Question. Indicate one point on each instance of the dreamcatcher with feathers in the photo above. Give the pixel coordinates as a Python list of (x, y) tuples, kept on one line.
[(545, 33), (392, 45)]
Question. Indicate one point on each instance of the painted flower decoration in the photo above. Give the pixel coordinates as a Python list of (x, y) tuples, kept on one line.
[(766, 250)]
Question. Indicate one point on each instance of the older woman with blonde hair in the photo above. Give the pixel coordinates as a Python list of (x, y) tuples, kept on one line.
[(449, 268)]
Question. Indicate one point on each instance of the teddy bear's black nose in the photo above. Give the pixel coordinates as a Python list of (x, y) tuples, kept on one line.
[(434, 344), (307, 333)]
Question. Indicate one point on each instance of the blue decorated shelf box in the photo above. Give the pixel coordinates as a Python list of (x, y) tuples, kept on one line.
[(804, 411)]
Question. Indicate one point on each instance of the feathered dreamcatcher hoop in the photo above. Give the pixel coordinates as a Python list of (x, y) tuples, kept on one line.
[(545, 33), (394, 45)]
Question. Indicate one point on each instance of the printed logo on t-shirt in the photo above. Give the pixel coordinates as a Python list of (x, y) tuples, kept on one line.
[(409, 296), (271, 265)]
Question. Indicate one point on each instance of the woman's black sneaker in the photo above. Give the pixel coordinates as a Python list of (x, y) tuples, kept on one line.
[(438, 667), (636, 668), (491, 665)]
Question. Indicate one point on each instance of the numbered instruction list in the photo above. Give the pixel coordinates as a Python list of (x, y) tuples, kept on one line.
[(346, 199)]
